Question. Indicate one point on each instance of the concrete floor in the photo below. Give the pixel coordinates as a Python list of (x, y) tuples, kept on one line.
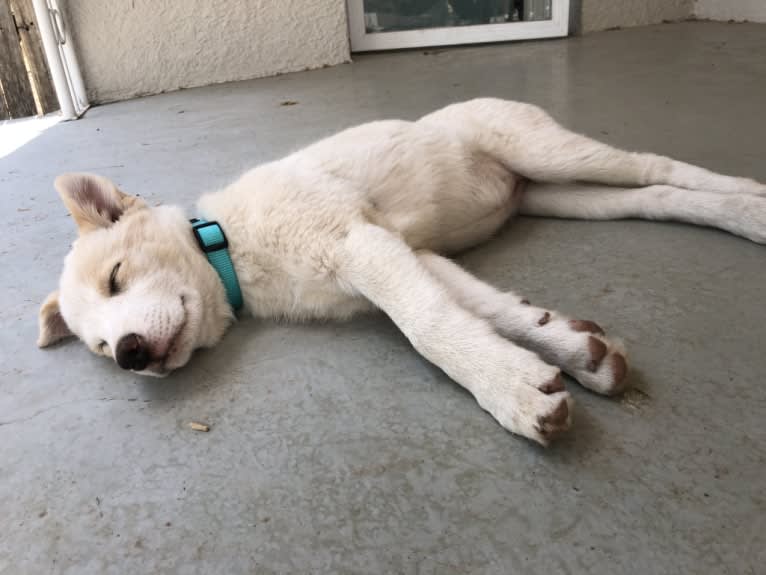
[(335, 448)]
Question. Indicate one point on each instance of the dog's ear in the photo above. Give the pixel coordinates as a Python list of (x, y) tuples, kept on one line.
[(94, 201), (53, 328)]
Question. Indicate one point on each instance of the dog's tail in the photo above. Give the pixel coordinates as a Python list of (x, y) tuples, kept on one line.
[(740, 214)]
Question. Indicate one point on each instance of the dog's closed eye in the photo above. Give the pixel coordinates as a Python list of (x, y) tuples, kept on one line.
[(114, 286)]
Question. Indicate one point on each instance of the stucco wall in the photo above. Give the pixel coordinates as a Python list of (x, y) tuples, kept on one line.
[(739, 10), (604, 14), (128, 48)]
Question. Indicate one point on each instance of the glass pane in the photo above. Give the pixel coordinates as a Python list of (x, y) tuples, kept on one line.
[(395, 15)]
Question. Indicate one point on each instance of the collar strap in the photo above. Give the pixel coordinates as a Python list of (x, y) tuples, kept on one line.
[(213, 242)]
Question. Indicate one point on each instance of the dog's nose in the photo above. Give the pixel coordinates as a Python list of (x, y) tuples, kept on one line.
[(132, 352)]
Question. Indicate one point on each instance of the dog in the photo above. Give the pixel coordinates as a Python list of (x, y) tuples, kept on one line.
[(365, 219)]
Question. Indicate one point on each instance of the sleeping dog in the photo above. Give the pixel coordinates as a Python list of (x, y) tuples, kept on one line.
[(364, 220)]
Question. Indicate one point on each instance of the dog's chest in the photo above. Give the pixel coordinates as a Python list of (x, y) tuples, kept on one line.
[(297, 289)]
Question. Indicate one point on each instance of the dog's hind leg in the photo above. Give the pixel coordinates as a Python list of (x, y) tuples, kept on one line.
[(522, 392), (531, 143), (741, 214), (578, 347)]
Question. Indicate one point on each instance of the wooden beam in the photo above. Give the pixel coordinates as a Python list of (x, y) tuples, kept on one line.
[(34, 55), (13, 72), (5, 113)]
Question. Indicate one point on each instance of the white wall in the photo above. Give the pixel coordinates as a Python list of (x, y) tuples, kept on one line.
[(739, 10), (604, 14), (128, 48)]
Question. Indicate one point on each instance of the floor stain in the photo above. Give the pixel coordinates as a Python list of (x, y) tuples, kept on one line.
[(635, 398)]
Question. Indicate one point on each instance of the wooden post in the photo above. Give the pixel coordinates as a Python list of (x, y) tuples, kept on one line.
[(14, 80), (5, 113), (34, 54)]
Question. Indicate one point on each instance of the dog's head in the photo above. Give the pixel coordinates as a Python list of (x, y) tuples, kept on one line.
[(135, 285)]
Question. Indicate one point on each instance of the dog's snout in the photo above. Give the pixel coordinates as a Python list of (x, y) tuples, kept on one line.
[(132, 352)]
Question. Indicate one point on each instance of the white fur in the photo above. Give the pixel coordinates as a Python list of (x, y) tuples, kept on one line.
[(356, 221)]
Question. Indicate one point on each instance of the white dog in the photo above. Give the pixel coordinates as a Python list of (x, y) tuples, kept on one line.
[(357, 221)]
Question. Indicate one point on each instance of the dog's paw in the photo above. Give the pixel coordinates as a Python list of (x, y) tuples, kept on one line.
[(596, 362), (531, 412), (554, 419), (745, 215), (581, 349), (750, 186)]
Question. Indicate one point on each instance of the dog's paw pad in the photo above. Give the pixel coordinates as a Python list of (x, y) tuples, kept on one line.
[(619, 372), (553, 386), (556, 421), (584, 325), (596, 351), (608, 376)]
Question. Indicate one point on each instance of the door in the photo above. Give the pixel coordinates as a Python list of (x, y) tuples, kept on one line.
[(62, 61)]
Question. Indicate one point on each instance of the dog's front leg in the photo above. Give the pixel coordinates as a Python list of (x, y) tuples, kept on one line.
[(579, 347), (522, 392)]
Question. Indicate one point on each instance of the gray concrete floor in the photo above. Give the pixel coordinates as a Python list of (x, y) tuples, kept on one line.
[(335, 448)]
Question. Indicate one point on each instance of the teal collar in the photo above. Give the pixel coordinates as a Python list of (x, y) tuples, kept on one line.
[(213, 242)]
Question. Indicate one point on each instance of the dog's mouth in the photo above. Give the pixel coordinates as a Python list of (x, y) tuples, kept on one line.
[(164, 364), (174, 348)]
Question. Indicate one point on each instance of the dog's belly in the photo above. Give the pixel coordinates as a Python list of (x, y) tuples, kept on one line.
[(426, 182), (456, 209), (460, 219)]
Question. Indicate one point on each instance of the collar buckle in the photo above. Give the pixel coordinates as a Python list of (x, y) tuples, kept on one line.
[(212, 240)]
